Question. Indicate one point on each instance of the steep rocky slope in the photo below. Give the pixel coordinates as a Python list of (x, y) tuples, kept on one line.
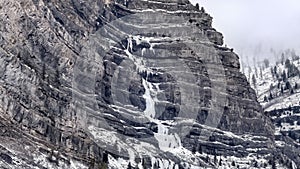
[(278, 92), (125, 83)]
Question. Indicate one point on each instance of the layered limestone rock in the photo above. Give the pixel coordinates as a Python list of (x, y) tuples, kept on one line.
[(147, 84)]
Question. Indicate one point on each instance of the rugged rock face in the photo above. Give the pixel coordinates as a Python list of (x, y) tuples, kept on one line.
[(277, 89), (125, 83)]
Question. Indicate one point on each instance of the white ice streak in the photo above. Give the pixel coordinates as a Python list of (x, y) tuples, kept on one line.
[(165, 138), (167, 141), (150, 103)]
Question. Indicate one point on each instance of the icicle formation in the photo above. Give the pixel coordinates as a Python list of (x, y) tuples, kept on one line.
[(165, 138)]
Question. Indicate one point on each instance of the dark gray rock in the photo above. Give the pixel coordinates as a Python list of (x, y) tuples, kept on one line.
[(58, 99)]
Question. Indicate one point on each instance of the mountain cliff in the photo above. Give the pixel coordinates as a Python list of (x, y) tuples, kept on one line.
[(125, 84), (276, 85)]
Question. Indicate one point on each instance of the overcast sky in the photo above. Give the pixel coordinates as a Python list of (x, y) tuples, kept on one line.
[(247, 24)]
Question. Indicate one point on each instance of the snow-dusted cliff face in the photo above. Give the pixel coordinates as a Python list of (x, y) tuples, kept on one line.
[(125, 84), (277, 87)]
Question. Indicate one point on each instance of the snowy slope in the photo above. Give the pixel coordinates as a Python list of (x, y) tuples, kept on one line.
[(279, 96)]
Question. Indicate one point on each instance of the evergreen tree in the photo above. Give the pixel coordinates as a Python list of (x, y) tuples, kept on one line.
[(282, 58), (254, 81), (215, 159), (256, 72), (296, 86), (265, 99), (294, 56), (270, 96), (291, 165), (202, 10), (284, 76), (194, 149), (129, 166), (220, 162), (272, 72), (144, 163), (290, 108), (197, 6), (255, 164), (207, 158), (287, 85), (287, 63), (267, 63), (274, 164), (279, 122), (265, 165), (271, 87), (292, 70), (200, 149)]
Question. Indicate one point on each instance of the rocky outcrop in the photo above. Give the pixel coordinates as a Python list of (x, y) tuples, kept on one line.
[(90, 84)]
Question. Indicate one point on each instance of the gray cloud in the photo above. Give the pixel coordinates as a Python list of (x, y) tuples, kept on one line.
[(248, 24)]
